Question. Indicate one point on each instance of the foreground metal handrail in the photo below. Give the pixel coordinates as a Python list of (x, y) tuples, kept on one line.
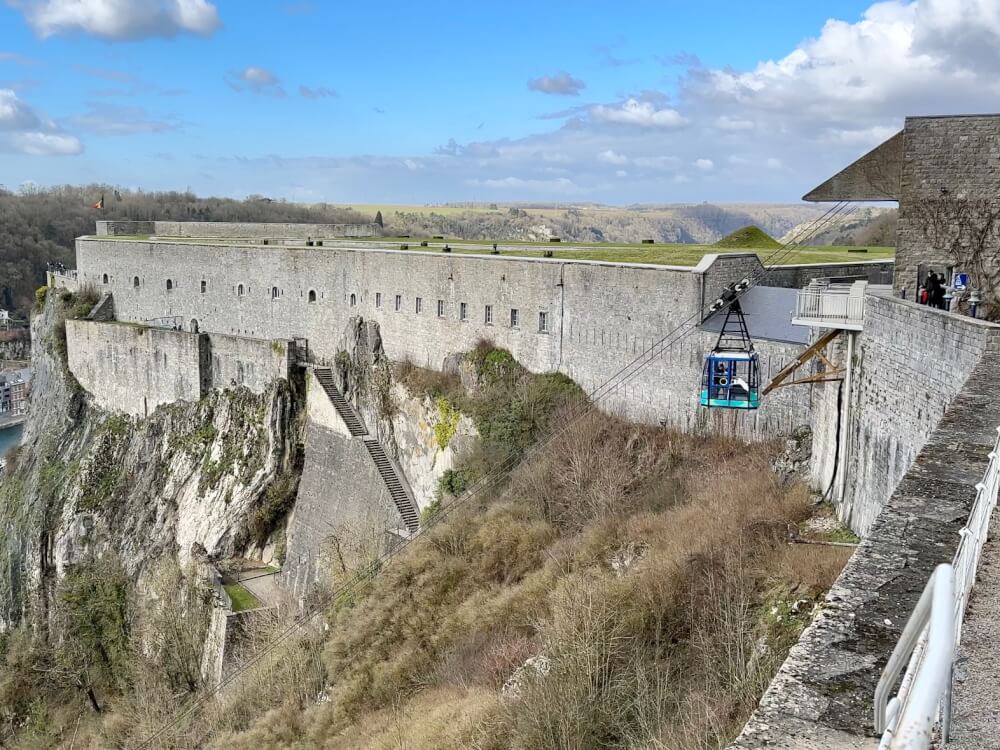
[(965, 565), (907, 720)]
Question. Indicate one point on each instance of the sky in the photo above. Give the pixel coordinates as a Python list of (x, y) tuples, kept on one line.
[(416, 103)]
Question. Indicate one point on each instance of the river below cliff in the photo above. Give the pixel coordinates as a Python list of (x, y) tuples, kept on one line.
[(9, 438)]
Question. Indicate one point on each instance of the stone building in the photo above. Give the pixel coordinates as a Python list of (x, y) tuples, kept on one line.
[(944, 172), (14, 392)]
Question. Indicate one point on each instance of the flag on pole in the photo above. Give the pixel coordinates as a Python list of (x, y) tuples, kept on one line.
[(100, 203)]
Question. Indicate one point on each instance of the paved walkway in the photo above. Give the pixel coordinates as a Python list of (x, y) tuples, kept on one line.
[(262, 583), (976, 704)]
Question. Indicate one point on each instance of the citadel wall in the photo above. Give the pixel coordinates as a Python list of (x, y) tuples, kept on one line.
[(134, 369), (909, 363), (236, 229), (586, 319)]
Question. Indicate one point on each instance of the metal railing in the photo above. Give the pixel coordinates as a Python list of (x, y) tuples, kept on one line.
[(171, 322), (831, 302), (933, 634)]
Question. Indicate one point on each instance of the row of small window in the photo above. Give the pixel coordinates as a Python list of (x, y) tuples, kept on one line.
[(463, 311), (463, 307), (240, 290)]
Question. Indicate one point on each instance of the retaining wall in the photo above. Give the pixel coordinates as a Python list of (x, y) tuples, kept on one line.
[(342, 509), (240, 361), (133, 369), (823, 695)]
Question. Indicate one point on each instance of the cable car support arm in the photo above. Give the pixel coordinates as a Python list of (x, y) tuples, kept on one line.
[(829, 373)]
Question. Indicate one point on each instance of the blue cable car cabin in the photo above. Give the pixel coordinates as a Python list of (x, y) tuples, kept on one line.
[(731, 378)]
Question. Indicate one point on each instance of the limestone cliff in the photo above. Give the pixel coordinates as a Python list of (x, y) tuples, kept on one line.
[(214, 477)]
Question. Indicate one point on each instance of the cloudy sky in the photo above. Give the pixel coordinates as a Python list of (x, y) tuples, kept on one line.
[(631, 102)]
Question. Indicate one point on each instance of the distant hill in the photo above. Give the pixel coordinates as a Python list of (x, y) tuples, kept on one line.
[(871, 226), (750, 238), (699, 223)]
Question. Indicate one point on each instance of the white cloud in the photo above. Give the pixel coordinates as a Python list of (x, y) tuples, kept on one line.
[(559, 184), (641, 114), (411, 164), (46, 144), (23, 130), (16, 114), (813, 108), (256, 80), (107, 119), (317, 92), (612, 157), (621, 173), (120, 19), (560, 84), (705, 165)]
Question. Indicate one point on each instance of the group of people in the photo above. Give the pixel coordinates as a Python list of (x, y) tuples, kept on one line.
[(932, 293)]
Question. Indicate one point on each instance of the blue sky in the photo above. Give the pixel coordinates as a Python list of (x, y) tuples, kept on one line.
[(396, 102)]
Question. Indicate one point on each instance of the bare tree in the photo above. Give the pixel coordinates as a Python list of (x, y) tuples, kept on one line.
[(967, 231)]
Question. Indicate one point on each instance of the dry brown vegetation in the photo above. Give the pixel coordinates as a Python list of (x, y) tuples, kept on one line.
[(670, 651), (651, 571)]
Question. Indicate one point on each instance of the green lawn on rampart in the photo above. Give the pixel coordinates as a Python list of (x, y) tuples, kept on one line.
[(658, 254)]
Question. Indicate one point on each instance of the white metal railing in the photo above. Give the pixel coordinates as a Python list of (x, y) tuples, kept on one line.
[(844, 303), (907, 721)]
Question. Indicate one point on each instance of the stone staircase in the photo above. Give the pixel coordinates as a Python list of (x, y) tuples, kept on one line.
[(344, 409), (394, 480)]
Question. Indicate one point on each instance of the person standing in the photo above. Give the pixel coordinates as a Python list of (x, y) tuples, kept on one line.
[(937, 299), (931, 286)]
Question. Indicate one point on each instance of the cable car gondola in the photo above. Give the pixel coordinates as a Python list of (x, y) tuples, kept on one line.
[(731, 378)]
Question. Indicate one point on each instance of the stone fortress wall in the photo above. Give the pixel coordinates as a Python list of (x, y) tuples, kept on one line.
[(909, 364), (133, 369), (254, 230), (586, 319)]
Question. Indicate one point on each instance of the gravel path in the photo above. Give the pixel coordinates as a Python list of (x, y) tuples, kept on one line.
[(976, 708)]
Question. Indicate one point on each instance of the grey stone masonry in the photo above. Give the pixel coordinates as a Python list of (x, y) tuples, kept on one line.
[(822, 698), (909, 363), (944, 172), (235, 229), (585, 319)]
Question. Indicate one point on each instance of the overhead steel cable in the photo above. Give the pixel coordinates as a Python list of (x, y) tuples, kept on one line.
[(364, 575)]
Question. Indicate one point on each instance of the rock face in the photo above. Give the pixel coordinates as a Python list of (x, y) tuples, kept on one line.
[(191, 478), (419, 440), (403, 422)]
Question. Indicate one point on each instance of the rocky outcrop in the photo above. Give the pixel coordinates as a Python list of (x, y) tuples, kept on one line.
[(214, 475), (408, 425)]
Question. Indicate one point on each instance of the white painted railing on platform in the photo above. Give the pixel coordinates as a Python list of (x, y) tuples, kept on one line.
[(933, 635), (831, 305)]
